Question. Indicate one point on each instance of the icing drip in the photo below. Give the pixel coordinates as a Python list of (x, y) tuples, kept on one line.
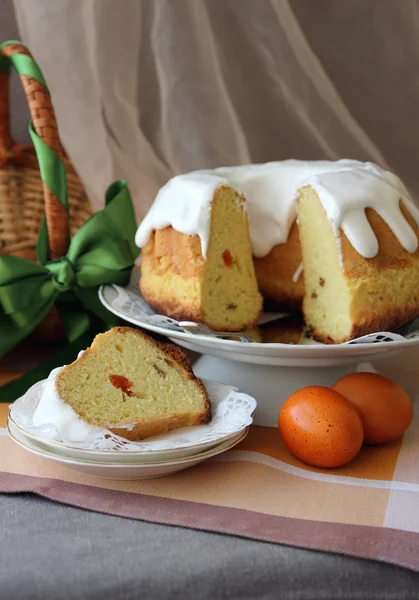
[(345, 187), (346, 194), (185, 204), (270, 191)]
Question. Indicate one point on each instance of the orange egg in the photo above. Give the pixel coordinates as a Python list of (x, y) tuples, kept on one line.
[(320, 427), (386, 410)]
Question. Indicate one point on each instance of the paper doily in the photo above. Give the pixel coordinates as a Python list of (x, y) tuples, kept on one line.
[(130, 303), (232, 412)]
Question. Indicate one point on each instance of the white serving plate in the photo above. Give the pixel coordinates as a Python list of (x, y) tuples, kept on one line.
[(122, 471), (286, 355)]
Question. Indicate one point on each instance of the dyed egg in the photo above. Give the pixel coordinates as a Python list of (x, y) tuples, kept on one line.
[(385, 409), (321, 427)]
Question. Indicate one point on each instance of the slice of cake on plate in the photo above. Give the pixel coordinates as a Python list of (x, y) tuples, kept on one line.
[(134, 386), (359, 232)]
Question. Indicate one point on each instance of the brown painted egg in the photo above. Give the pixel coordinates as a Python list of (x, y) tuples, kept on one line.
[(321, 427)]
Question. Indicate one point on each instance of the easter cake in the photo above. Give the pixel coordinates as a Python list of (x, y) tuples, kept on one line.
[(337, 240)]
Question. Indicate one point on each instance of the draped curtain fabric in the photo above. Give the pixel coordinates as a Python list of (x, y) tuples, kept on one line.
[(145, 89)]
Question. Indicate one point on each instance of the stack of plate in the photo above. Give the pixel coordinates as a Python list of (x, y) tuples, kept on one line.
[(229, 427)]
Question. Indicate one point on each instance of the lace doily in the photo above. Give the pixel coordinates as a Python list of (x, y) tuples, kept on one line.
[(130, 303), (232, 412)]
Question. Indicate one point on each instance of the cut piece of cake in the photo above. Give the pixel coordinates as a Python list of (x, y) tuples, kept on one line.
[(359, 238), (197, 258), (134, 386)]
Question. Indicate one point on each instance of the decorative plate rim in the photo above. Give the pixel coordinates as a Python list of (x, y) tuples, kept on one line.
[(140, 452), (218, 449), (295, 350), (128, 453)]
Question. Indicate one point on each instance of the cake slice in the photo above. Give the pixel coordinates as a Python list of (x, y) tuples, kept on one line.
[(359, 239), (134, 386), (197, 257)]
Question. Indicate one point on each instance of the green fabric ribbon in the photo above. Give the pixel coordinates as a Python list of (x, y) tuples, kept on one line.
[(24, 65), (102, 251)]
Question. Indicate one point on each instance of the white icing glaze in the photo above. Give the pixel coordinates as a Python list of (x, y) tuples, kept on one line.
[(345, 188), (345, 195), (297, 273), (185, 204), (53, 410), (270, 191)]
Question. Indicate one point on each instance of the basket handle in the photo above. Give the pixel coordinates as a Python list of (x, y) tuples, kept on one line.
[(45, 126)]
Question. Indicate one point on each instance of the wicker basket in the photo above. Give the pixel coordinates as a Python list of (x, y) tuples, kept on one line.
[(23, 198)]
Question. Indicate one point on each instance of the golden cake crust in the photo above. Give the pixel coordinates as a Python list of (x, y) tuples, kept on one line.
[(153, 427), (171, 253)]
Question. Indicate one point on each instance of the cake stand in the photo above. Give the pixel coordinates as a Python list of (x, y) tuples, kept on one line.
[(268, 372)]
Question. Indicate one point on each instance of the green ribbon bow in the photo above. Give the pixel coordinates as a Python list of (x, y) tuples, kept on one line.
[(102, 251)]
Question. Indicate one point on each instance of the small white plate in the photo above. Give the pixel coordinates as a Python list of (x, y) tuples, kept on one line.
[(120, 471), (131, 306), (231, 414), (112, 458)]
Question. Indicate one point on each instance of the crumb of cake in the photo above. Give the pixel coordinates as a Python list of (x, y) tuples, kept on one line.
[(121, 383), (322, 281), (227, 258), (159, 371), (313, 295)]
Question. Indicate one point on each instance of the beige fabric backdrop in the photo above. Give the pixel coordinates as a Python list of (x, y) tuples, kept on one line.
[(148, 88)]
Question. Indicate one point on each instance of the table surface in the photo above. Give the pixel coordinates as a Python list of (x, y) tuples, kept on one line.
[(50, 550)]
